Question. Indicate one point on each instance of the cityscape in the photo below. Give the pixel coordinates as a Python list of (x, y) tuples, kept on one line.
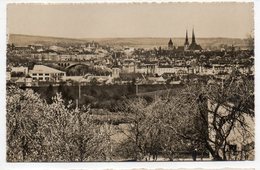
[(176, 98)]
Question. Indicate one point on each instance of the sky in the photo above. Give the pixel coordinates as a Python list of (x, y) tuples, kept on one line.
[(233, 20)]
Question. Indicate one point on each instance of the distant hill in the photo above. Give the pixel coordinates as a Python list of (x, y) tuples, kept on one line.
[(163, 42), (22, 40)]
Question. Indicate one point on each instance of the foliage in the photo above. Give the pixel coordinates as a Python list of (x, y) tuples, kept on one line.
[(37, 131), (193, 118), (201, 116)]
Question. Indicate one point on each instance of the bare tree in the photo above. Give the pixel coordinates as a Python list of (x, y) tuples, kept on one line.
[(24, 109), (207, 116), (222, 109), (250, 41), (37, 131)]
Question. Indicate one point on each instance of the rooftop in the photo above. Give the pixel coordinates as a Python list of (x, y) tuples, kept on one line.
[(45, 69)]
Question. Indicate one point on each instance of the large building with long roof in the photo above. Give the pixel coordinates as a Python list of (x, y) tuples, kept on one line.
[(45, 73)]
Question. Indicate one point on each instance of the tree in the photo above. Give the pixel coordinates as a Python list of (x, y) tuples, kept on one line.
[(136, 113), (65, 93), (38, 131), (228, 106), (251, 42), (203, 117), (49, 93), (222, 109), (175, 117), (156, 128), (24, 111), (93, 82)]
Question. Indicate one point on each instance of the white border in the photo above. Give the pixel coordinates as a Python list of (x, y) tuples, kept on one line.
[(118, 165)]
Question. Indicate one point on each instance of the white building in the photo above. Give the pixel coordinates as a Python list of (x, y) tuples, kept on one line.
[(44, 73), (160, 70), (128, 66), (8, 76), (141, 69), (25, 81), (206, 70), (222, 68), (115, 72), (181, 70), (21, 69)]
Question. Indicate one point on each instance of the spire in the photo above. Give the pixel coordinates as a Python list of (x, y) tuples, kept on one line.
[(186, 39), (170, 44), (193, 37)]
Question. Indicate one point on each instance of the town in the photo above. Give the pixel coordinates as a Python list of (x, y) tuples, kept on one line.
[(128, 95), (38, 65), (130, 82)]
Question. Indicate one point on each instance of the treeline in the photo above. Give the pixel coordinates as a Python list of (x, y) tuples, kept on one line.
[(103, 96)]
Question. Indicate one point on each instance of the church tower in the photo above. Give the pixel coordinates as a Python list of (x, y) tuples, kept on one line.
[(194, 46), (170, 44), (186, 44), (193, 41)]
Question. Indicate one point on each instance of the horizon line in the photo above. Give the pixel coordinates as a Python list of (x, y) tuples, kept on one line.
[(121, 37)]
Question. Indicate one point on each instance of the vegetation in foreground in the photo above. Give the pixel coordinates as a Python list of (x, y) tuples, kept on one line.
[(163, 127)]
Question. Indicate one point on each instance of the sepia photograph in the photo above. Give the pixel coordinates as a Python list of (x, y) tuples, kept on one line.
[(130, 82)]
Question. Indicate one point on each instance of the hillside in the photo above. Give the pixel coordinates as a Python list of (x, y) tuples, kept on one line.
[(131, 42), (156, 42), (22, 40)]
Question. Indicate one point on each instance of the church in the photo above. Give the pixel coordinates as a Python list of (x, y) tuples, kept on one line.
[(193, 46)]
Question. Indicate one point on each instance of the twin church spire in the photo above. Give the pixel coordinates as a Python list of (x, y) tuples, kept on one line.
[(187, 46), (193, 41)]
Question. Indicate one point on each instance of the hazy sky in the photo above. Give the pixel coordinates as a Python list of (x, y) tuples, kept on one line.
[(131, 20)]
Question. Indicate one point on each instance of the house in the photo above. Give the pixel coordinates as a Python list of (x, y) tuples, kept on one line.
[(157, 80), (181, 70), (164, 69), (141, 68), (99, 79), (20, 69), (150, 66), (116, 71), (45, 73), (206, 70), (25, 81), (128, 66), (8, 76)]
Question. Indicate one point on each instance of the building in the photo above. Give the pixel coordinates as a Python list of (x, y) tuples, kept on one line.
[(8, 76), (116, 70), (170, 44), (222, 68), (181, 70), (141, 68), (161, 69), (25, 81), (128, 65), (21, 69), (186, 43), (45, 73), (193, 46)]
